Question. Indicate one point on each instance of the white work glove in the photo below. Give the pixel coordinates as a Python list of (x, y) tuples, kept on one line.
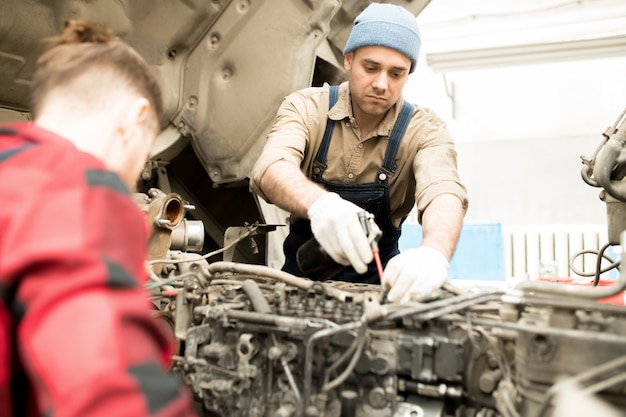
[(335, 225), (414, 274)]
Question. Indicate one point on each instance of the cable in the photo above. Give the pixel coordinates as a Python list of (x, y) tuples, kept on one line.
[(155, 278), (344, 356), (251, 230), (355, 358), (502, 363), (356, 345), (308, 355), (290, 378), (598, 267), (599, 264), (445, 306)]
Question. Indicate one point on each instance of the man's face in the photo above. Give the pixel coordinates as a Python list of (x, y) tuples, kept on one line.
[(377, 76)]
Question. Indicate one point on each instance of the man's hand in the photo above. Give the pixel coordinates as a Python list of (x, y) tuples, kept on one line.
[(335, 225), (414, 274)]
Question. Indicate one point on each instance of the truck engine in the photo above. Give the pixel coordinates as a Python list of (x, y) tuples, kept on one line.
[(250, 340), (260, 342)]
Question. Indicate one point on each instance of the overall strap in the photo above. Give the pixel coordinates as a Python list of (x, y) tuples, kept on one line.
[(4, 155), (321, 158), (7, 153), (389, 163)]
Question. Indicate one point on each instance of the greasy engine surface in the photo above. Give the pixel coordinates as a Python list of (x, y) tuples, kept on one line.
[(254, 345), (254, 341)]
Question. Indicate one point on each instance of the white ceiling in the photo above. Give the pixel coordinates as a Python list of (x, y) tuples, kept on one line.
[(462, 33)]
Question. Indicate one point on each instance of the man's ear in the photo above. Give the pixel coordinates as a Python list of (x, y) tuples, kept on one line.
[(140, 110), (347, 61), (136, 115)]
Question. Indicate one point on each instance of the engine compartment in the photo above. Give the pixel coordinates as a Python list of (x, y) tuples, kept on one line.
[(255, 341)]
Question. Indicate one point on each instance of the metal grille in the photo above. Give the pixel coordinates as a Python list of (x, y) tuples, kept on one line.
[(533, 251)]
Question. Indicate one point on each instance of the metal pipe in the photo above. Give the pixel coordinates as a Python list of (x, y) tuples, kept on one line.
[(267, 272), (607, 160), (308, 357), (444, 306), (257, 299)]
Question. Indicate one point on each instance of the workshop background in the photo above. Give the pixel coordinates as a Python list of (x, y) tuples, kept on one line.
[(526, 88)]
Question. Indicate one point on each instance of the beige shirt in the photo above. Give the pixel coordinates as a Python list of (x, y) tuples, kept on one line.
[(426, 160)]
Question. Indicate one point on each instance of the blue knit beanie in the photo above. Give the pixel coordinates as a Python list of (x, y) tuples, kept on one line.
[(386, 25)]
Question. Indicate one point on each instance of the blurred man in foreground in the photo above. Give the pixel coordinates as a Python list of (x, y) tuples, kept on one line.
[(77, 336)]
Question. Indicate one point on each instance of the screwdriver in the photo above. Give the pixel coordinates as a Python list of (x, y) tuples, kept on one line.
[(373, 233)]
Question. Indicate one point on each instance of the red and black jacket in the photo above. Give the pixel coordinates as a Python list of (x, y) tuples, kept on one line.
[(77, 337)]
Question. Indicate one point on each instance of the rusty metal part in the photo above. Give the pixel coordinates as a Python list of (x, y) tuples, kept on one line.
[(164, 213)]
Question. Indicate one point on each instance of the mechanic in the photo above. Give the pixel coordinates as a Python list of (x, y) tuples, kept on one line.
[(77, 335), (334, 151)]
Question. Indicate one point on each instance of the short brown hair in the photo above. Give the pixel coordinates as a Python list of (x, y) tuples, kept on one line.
[(84, 46)]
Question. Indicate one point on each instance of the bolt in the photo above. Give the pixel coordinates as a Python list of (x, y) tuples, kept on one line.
[(163, 222)]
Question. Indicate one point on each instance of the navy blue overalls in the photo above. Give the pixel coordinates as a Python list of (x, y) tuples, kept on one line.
[(373, 197)]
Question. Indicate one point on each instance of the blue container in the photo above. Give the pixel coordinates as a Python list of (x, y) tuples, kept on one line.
[(479, 254)]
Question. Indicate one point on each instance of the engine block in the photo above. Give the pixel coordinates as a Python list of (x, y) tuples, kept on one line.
[(253, 341)]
